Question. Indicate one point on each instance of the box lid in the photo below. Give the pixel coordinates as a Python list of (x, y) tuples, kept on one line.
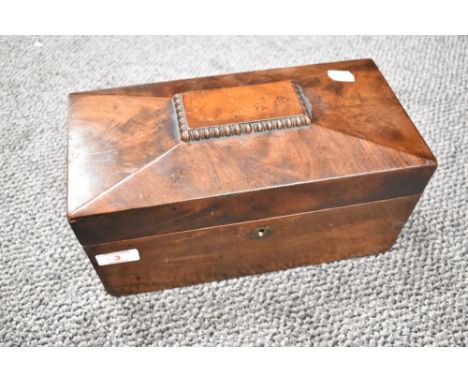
[(188, 154)]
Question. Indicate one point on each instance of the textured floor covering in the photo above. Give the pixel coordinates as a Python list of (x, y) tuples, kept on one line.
[(415, 294)]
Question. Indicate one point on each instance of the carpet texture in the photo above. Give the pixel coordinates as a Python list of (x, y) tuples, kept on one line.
[(415, 294)]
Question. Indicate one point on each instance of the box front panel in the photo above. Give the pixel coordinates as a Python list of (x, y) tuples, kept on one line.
[(172, 260), (262, 204)]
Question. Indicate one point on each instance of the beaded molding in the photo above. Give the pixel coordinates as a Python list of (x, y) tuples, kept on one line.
[(243, 128)]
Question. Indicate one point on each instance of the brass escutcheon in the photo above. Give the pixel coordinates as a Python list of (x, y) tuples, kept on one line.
[(260, 233)]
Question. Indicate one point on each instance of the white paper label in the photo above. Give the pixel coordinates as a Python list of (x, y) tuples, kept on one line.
[(118, 257), (341, 75)]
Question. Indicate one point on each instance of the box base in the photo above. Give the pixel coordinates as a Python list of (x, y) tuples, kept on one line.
[(216, 253)]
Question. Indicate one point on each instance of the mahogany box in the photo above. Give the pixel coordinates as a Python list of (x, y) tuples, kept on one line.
[(189, 181)]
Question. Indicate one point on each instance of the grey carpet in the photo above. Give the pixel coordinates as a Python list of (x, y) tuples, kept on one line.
[(415, 294)]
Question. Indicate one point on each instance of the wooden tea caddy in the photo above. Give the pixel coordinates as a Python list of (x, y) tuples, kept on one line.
[(203, 179)]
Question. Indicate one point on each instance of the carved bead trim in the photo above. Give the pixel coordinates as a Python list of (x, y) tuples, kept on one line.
[(242, 128), (181, 119)]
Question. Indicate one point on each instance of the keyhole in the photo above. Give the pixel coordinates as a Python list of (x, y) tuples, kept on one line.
[(260, 233)]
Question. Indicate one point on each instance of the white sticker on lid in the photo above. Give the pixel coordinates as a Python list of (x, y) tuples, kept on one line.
[(341, 75), (118, 257)]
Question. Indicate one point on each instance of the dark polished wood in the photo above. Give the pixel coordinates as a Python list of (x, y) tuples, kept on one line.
[(201, 161), (229, 251)]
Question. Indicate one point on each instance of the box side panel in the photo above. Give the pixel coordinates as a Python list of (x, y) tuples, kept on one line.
[(191, 257)]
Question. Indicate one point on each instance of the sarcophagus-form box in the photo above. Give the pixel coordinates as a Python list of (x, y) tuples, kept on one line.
[(203, 179)]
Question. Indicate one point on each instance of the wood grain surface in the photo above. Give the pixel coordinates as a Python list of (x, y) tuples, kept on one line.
[(222, 252), (224, 153), (240, 104)]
